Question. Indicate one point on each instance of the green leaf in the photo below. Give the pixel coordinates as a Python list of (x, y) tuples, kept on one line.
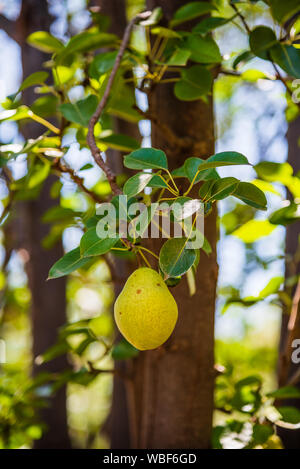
[(191, 11), (205, 189), (289, 414), (102, 63), (157, 181), (45, 42), (203, 49), (261, 433), (165, 32), (271, 288), (286, 392), (38, 174), (286, 215), (179, 57), (58, 213), (254, 230), (119, 141), (283, 10), (252, 380), (206, 247), (222, 188), (92, 245), (262, 39), (45, 106), (174, 258), (226, 158), (85, 41), (209, 24), (195, 82), (274, 172), (146, 158), (36, 78), (62, 75), (137, 183), (191, 166), (123, 351), (288, 58), (67, 264), (122, 103), (242, 59), (81, 111), (251, 195)]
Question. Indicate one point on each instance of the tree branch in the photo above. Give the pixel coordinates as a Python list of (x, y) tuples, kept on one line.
[(94, 119), (8, 26), (78, 180), (239, 14)]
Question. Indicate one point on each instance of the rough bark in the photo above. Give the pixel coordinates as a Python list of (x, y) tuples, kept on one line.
[(291, 438), (48, 298), (174, 385)]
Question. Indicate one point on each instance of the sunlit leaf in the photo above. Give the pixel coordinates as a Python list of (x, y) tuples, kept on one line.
[(254, 230), (45, 42)]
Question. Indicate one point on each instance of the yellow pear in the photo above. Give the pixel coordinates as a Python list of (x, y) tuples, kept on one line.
[(145, 310)]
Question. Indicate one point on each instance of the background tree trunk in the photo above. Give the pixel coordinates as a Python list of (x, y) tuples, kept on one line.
[(174, 385), (48, 298), (291, 438)]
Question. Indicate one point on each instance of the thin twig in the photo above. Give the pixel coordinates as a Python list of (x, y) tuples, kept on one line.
[(295, 378), (94, 119), (239, 14), (63, 168)]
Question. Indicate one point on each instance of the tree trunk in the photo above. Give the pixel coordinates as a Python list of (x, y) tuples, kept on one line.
[(48, 298), (174, 385), (291, 438), (119, 420)]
